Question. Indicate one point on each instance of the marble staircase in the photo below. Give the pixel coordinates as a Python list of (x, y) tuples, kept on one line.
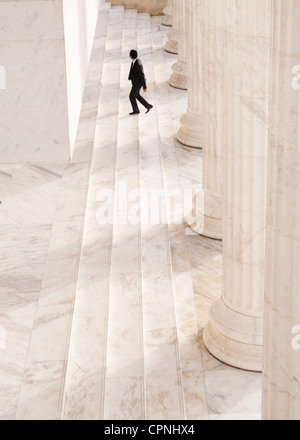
[(133, 351), (121, 304)]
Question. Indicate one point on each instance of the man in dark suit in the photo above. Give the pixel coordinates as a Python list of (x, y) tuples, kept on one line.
[(137, 77)]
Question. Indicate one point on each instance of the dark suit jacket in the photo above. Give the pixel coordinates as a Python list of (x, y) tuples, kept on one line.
[(136, 74)]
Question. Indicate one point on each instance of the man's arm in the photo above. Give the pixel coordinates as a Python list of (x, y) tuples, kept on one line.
[(141, 75)]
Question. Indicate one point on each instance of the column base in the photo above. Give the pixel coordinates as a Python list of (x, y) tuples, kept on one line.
[(167, 20), (171, 45), (206, 216), (178, 79), (234, 338), (190, 133), (168, 16)]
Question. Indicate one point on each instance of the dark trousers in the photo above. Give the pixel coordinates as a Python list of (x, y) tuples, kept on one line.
[(135, 95)]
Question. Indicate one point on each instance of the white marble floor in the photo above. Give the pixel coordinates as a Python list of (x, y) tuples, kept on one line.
[(101, 320)]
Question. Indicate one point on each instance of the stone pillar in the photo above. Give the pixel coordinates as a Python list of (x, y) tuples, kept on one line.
[(190, 132), (205, 101), (172, 43), (168, 12), (281, 371), (178, 78), (235, 330)]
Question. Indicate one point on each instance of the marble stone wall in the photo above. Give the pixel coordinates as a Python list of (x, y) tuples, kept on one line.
[(33, 105), (80, 19), (154, 7), (45, 59)]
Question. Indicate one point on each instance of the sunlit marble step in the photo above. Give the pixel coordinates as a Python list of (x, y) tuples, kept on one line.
[(124, 391), (85, 376)]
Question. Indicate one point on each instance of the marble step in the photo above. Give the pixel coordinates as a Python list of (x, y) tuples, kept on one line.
[(124, 396), (142, 366), (191, 364), (163, 379), (85, 376)]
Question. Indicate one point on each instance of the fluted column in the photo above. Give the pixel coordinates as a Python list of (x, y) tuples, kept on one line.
[(235, 330), (190, 132), (203, 123), (172, 42), (178, 78), (281, 371), (167, 19)]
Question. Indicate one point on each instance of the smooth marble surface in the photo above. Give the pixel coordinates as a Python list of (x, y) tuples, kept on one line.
[(32, 47), (79, 29), (45, 51), (105, 321)]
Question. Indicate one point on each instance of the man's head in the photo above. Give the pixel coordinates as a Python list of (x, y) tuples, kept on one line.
[(133, 54)]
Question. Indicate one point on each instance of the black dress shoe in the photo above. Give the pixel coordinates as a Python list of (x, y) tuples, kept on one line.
[(134, 113), (149, 108)]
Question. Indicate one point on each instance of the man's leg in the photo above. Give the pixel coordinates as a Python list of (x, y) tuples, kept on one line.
[(133, 96), (142, 100)]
